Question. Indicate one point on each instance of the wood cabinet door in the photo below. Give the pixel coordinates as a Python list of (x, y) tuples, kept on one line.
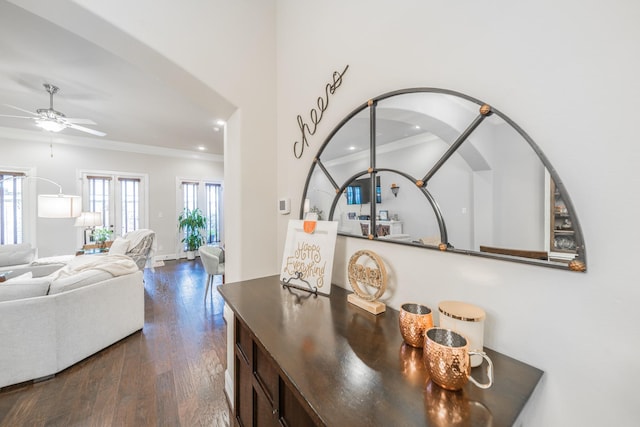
[(243, 392), (262, 399)]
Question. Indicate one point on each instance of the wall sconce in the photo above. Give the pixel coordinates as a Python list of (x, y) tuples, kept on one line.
[(394, 189), (54, 205)]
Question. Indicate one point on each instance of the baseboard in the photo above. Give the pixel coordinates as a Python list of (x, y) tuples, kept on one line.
[(158, 260), (167, 257), (228, 388)]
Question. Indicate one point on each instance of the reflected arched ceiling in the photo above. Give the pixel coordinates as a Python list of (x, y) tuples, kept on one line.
[(396, 128)]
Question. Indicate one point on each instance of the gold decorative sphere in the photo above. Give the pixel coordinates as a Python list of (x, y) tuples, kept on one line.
[(577, 265)]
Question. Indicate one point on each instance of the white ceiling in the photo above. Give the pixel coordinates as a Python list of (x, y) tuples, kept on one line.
[(130, 105)]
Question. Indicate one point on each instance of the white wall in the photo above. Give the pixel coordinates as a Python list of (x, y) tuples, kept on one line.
[(566, 73), (59, 236)]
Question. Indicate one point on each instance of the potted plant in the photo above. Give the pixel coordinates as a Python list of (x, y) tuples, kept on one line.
[(192, 222), (101, 235)]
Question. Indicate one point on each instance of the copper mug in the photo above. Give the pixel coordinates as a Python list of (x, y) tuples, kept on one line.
[(448, 359), (415, 319)]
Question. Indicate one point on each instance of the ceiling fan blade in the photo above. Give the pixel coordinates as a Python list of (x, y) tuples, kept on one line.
[(79, 121), (17, 117), (22, 109), (84, 129)]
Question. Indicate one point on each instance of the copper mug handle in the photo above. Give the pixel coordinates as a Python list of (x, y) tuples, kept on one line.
[(489, 370)]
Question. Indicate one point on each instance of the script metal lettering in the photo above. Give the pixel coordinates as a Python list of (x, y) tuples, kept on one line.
[(315, 115)]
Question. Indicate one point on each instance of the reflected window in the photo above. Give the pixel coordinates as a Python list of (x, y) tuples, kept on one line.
[(354, 195)]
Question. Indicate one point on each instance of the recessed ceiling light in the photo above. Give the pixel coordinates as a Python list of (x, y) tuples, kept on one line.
[(201, 147), (216, 128), (352, 148), (417, 126), (220, 122)]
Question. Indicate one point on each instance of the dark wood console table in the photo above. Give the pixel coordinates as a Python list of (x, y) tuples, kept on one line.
[(303, 360)]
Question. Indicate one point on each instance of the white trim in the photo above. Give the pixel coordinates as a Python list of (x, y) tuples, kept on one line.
[(105, 144), (230, 372)]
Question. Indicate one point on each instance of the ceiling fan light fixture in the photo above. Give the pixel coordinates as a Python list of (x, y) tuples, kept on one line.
[(51, 126)]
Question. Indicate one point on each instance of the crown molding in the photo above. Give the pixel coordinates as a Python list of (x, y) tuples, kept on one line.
[(104, 144)]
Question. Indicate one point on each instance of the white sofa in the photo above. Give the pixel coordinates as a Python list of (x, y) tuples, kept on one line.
[(22, 258), (43, 335)]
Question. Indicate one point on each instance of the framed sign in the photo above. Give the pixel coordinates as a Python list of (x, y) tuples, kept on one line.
[(307, 262)]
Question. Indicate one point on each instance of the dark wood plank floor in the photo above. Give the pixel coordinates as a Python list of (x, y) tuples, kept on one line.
[(169, 374)]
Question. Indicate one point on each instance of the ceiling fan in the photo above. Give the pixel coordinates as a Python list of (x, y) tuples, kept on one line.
[(52, 120)]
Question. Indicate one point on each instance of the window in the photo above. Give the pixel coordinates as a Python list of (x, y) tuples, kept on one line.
[(99, 197), (214, 208), (11, 204), (206, 196), (190, 195), (130, 201), (120, 197)]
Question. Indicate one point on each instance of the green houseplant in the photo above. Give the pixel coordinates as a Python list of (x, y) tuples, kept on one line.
[(192, 222), (101, 235)]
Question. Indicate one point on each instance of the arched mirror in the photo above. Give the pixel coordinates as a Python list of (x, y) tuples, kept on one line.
[(441, 170)]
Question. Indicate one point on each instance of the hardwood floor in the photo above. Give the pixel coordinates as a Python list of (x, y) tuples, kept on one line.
[(169, 374)]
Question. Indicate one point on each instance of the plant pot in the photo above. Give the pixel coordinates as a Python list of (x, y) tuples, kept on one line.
[(191, 255)]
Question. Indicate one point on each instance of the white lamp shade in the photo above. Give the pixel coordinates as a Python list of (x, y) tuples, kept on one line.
[(89, 219), (59, 206)]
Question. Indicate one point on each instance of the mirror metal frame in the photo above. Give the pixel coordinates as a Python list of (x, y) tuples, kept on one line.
[(485, 110)]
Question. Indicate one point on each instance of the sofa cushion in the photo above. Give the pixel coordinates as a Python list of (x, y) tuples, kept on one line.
[(24, 287), (78, 280), (16, 254), (14, 248), (120, 246), (16, 279)]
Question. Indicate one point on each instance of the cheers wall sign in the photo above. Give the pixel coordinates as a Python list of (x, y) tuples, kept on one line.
[(316, 113)]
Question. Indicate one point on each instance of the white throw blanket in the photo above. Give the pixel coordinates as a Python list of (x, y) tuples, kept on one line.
[(136, 236), (117, 265), (60, 259)]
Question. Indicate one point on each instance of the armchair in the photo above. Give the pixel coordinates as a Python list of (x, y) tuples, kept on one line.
[(212, 258)]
